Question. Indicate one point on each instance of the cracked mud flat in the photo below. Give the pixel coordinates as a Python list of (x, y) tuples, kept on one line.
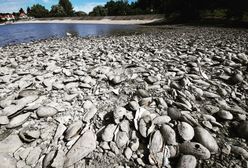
[(172, 97)]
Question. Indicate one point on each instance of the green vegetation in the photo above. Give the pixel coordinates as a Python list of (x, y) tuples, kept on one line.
[(67, 6), (174, 10), (38, 11)]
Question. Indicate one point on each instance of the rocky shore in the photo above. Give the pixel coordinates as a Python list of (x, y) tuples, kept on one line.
[(167, 97)]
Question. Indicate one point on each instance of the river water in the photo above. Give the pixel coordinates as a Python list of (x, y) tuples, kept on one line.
[(19, 33)]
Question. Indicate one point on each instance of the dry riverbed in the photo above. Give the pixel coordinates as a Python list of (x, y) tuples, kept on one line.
[(166, 97)]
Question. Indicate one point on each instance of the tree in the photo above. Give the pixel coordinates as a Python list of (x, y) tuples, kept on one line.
[(99, 11), (80, 13), (39, 11), (119, 7), (57, 11), (21, 11), (28, 11), (66, 4)]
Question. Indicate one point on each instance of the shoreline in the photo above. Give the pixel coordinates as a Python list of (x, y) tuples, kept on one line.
[(102, 21)]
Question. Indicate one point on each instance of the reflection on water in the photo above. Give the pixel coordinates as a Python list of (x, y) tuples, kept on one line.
[(18, 33)]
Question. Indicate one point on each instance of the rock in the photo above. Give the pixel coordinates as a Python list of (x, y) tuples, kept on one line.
[(128, 153), (145, 126), (18, 120), (33, 156), (10, 144), (47, 161), (160, 120), (85, 145), (187, 161), (242, 130), (168, 134), (133, 105), (151, 79), (90, 111), (29, 135), (174, 113), (58, 161), (235, 79), (142, 93), (121, 139), (73, 129), (12, 109), (114, 147), (195, 149), (225, 115), (206, 139), (59, 132), (108, 132), (118, 114), (28, 92), (46, 111), (7, 161), (156, 142), (4, 120), (239, 151), (186, 131), (125, 126)]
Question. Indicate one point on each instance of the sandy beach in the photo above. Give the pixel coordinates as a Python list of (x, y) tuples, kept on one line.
[(102, 21)]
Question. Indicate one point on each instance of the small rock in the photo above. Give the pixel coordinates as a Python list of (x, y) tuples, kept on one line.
[(121, 139), (168, 134), (33, 156), (187, 161), (4, 120), (18, 120), (46, 111), (195, 149), (73, 129), (108, 132), (206, 139), (186, 131), (225, 115)]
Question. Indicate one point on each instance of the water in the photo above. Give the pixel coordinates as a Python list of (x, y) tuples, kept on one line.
[(19, 33)]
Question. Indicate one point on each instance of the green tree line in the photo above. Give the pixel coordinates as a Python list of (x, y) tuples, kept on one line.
[(63, 9), (184, 9)]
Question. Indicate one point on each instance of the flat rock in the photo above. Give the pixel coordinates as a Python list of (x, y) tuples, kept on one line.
[(18, 120), (10, 144), (7, 161), (46, 111), (85, 145)]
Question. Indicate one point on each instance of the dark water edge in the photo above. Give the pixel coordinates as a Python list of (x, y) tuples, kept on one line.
[(22, 33)]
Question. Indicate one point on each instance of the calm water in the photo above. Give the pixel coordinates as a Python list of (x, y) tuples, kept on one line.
[(18, 33)]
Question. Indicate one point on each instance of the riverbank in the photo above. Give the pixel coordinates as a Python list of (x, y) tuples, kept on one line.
[(126, 101), (137, 19), (102, 21)]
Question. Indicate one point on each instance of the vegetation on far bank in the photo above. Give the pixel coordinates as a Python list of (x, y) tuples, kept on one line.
[(173, 10)]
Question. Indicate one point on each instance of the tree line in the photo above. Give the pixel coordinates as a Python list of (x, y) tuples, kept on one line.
[(184, 9), (63, 9)]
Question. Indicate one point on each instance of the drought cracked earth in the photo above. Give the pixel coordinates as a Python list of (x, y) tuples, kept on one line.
[(172, 97)]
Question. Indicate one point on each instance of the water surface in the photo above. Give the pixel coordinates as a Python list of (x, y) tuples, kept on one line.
[(19, 33)]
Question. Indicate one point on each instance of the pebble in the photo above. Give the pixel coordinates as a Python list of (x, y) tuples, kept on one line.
[(4, 120), (187, 161), (46, 111), (206, 139)]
